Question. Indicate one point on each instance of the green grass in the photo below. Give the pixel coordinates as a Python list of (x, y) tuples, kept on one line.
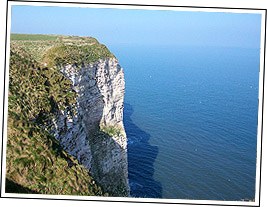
[(39, 164), (35, 161), (59, 50), (111, 130), (63, 54), (32, 37)]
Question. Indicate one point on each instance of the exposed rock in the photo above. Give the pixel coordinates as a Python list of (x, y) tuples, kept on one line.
[(100, 87)]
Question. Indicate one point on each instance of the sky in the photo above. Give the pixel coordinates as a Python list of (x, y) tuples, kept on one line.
[(141, 27)]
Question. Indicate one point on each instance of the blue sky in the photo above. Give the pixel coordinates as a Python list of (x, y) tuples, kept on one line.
[(121, 26)]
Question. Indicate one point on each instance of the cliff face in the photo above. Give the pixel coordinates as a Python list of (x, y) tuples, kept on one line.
[(65, 129), (93, 130)]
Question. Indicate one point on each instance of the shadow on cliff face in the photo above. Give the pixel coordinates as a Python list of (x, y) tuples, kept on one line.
[(108, 161), (109, 158), (109, 166), (141, 156)]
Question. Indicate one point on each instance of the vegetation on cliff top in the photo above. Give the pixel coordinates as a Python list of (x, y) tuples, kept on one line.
[(35, 162), (59, 50)]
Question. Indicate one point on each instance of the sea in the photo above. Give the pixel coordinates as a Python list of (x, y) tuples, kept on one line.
[(190, 116)]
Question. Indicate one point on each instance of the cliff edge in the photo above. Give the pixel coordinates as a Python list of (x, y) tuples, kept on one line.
[(80, 90)]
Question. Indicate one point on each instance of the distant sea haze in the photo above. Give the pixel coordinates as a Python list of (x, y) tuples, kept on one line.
[(190, 115)]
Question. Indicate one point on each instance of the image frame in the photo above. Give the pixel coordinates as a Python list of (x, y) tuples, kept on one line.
[(140, 6)]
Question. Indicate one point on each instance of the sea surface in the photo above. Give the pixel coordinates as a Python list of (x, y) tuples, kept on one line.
[(191, 115)]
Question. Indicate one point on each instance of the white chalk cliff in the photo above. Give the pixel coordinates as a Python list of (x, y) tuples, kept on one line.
[(83, 131)]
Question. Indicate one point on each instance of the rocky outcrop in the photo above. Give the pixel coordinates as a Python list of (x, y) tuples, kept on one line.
[(92, 130)]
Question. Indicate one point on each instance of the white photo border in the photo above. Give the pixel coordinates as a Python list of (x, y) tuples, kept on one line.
[(144, 7)]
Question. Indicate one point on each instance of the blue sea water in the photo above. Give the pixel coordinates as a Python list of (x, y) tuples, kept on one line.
[(191, 115)]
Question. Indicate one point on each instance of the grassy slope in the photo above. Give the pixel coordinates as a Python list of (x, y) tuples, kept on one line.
[(58, 50), (35, 160)]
